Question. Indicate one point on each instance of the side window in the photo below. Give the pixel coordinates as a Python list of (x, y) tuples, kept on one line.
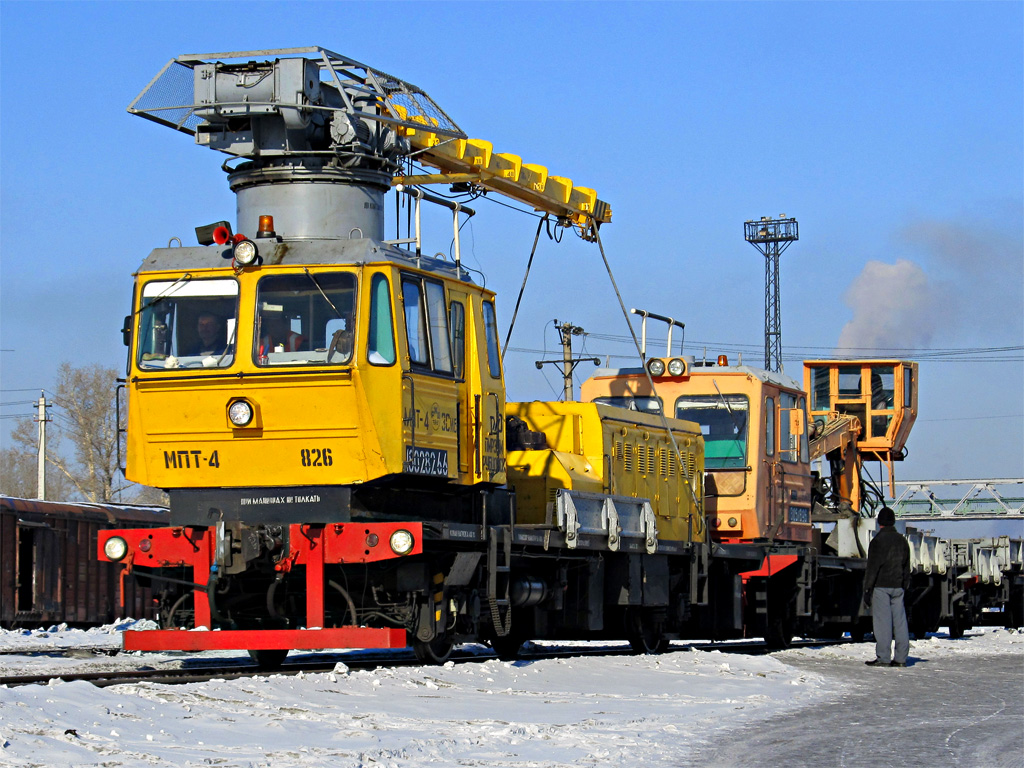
[(769, 426), (908, 386), (804, 448), (849, 383), (457, 320), (491, 329), (415, 323), (787, 440), (438, 318), (819, 389), (380, 344)]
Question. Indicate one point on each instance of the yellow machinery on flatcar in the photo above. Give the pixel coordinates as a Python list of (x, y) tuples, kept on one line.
[(757, 463)]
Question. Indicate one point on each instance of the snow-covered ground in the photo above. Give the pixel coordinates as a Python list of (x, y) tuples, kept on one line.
[(632, 710)]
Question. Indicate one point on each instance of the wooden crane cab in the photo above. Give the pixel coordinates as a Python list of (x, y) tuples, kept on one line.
[(757, 463)]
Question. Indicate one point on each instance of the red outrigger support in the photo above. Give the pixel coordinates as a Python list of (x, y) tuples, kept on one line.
[(310, 546)]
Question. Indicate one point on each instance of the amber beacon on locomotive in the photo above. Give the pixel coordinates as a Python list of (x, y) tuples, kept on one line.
[(326, 409)]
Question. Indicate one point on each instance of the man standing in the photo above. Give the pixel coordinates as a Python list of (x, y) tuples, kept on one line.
[(887, 577)]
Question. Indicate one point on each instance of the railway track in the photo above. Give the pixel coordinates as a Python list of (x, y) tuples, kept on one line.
[(318, 663)]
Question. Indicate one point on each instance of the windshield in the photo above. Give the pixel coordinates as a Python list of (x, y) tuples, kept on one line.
[(188, 323), (723, 422), (306, 319)]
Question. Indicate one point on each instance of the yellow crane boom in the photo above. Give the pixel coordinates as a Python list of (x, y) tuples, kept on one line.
[(475, 161)]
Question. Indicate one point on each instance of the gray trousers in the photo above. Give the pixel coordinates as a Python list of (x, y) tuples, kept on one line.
[(889, 620)]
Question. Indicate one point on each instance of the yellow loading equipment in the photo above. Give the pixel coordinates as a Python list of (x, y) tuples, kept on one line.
[(594, 452)]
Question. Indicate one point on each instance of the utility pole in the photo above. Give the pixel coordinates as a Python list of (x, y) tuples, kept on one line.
[(41, 418), (771, 237), (565, 332)]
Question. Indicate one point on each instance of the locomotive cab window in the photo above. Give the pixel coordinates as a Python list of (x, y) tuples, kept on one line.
[(491, 329), (306, 319), (380, 344), (426, 324), (188, 323), (723, 422)]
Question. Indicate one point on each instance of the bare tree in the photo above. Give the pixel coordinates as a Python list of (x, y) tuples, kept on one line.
[(84, 451), (19, 465)]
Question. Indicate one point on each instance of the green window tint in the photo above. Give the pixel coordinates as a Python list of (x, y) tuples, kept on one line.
[(457, 321), (723, 422), (642, 404), (819, 389), (769, 426), (188, 323), (491, 329), (787, 440), (380, 346)]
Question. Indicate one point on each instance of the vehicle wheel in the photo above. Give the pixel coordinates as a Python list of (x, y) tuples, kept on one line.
[(268, 658), (645, 632), (507, 648), (781, 628), (435, 651), (180, 614)]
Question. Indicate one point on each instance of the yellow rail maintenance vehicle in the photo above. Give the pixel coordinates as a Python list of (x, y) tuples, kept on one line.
[(326, 406)]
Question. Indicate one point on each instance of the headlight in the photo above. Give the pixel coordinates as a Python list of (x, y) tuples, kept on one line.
[(401, 542), (245, 253), (240, 413), (676, 367), (656, 367), (115, 548)]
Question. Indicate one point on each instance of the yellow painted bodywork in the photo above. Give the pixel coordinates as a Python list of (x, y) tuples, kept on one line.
[(475, 160), (364, 417), (600, 449)]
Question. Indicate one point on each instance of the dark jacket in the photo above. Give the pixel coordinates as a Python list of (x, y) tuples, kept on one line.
[(888, 561)]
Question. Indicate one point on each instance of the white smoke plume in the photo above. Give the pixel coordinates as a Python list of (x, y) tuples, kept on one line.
[(979, 289), (894, 306)]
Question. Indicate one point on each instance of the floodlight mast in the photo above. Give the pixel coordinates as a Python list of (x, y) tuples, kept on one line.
[(771, 237)]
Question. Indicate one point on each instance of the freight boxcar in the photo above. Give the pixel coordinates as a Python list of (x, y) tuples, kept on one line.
[(48, 568)]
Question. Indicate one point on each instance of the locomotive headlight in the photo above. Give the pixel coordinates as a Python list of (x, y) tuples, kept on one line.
[(656, 367), (676, 367), (245, 253), (401, 542), (115, 548), (240, 413)]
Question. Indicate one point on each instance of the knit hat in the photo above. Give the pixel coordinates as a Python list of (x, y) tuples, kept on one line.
[(886, 516)]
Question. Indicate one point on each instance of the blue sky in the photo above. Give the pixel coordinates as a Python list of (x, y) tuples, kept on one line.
[(891, 131)]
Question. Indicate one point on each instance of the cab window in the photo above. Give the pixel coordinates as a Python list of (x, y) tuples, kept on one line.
[(723, 422), (426, 324), (769, 426), (491, 329), (457, 319), (788, 442), (188, 323), (380, 344), (306, 319)]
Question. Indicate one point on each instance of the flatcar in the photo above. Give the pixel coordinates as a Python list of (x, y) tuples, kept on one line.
[(48, 570)]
